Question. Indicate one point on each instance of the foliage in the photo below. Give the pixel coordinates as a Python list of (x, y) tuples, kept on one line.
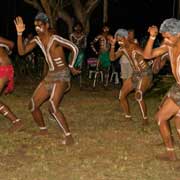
[(66, 10)]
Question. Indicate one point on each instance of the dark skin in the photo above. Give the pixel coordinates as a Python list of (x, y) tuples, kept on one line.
[(127, 84), (5, 61), (41, 94), (168, 108), (104, 44)]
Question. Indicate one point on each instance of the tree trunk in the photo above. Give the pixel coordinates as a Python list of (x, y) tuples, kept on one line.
[(57, 9), (105, 11)]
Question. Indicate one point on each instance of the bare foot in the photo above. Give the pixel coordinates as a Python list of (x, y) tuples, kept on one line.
[(17, 126), (145, 122), (68, 140), (169, 156), (127, 118)]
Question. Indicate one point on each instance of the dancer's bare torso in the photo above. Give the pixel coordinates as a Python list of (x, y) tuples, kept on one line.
[(53, 51), (79, 39), (174, 54), (134, 54), (104, 44)]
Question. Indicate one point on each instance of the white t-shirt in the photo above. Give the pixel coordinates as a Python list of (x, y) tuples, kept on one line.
[(123, 59)]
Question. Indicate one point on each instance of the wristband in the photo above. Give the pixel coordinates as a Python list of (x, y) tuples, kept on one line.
[(70, 66), (153, 37), (19, 33)]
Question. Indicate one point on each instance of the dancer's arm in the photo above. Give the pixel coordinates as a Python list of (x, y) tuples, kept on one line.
[(149, 52), (20, 28), (114, 55)]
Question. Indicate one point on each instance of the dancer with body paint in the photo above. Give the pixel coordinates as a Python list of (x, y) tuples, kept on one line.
[(57, 80), (7, 82), (79, 38), (102, 51), (170, 106), (141, 77), (126, 69)]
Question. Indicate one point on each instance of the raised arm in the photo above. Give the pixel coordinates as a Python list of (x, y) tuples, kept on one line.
[(149, 52), (20, 28), (114, 55)]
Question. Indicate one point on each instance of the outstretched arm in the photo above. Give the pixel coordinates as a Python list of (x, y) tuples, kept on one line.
[(20, 28)]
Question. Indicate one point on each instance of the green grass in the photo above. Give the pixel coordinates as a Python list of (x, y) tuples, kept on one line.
[(106, 147)]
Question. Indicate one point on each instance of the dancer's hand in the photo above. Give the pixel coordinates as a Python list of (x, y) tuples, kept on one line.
[(153, 31), (20, 26), (75, 71), (112, 41)]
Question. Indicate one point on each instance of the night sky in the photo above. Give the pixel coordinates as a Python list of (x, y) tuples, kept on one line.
[(137, 14)]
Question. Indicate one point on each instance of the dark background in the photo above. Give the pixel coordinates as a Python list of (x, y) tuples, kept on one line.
[(137, 14)]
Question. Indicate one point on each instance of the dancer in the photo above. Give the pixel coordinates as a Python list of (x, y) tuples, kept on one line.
[(170, 106), (104, 62), (57, 80), (126, 69), (142, 75), (79, 38), (7, 82)]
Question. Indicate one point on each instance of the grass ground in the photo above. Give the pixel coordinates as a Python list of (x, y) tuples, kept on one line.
[(106, 146)]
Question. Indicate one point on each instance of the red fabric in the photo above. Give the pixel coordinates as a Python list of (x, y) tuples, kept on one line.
[(8, 71)]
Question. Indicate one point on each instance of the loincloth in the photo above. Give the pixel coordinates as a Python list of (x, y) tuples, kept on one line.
[(138, 76), (174, 93), (53, 77)]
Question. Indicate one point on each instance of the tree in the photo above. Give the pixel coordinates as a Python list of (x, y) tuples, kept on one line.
[(105, 11), (67, 10)]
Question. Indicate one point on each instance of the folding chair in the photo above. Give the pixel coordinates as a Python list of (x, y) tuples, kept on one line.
[(94, 70)]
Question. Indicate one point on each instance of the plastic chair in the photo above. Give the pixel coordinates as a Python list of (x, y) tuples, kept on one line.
[(94, 70)]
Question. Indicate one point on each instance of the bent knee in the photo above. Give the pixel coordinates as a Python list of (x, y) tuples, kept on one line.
[(122, 96), (52, 107), (139, 95), (159, 119)]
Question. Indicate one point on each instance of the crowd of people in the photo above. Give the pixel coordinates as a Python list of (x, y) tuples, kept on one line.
[(136, 71)]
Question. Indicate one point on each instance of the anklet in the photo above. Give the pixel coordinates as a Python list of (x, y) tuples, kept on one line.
[(170, 149), (68, 134), (42, 128), (127, 116), (15, 121)]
